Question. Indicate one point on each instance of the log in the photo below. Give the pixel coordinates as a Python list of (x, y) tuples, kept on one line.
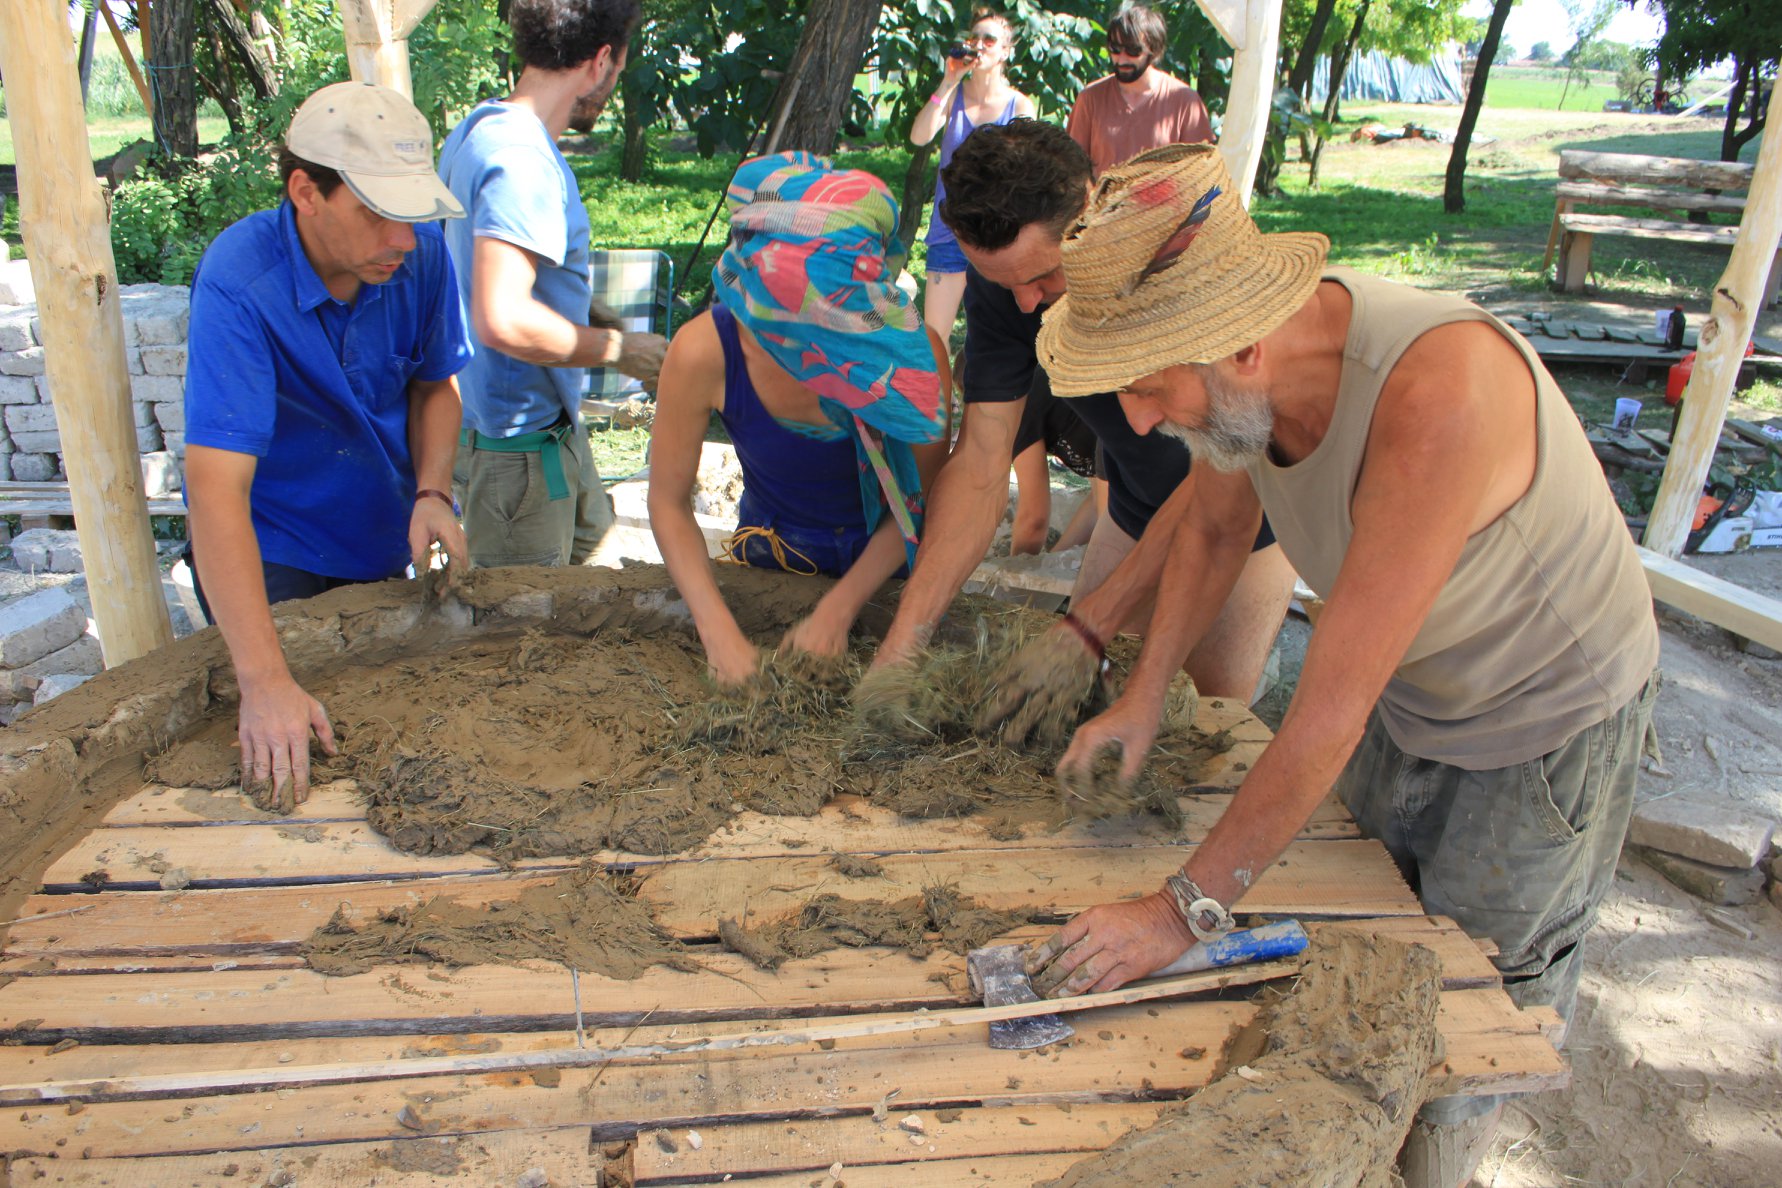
[(1601, 194), (1731, 317), (377, 39), (124, 52), (1618, 168), (63, 215)]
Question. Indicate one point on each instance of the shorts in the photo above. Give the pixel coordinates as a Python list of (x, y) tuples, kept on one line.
[(830, 552), (1521, 854)]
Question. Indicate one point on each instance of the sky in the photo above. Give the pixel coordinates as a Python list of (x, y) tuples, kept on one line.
[(1547, 20)]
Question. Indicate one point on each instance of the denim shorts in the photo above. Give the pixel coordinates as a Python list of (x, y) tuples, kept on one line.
[(1521, 854)]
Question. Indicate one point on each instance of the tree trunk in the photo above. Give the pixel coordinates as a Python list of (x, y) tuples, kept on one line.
[(172, 35), (634, 155), (241, 46), (1454, 190), (1339, 70), (836, 36), (918, 187), (89, 31), (222, 86), (1747, 90), (1305, 63)]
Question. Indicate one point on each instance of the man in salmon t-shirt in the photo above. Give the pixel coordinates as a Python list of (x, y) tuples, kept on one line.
[(1138, 106)]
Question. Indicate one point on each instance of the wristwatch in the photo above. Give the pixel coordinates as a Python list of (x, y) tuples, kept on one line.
[(1205, 916)]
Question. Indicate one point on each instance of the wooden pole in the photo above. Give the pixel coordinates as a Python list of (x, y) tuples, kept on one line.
[(1731, 316), (62, 214), (123, 44), (1251, 103), (377, 39)]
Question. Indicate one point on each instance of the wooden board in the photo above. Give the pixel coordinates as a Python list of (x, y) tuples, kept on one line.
[(1648, 196), (203, 1039), (1650, 229), (1743, 612)]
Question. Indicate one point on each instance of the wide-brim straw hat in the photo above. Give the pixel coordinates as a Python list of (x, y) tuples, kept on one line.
[(1167, 267)]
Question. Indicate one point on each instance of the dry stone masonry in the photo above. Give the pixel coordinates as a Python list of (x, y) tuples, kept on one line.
[(155, 322)]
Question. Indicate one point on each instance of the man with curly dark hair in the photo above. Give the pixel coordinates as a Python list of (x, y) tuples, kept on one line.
[(1013, 192), (531, 493)]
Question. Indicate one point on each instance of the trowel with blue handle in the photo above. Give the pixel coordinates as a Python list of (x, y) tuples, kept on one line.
[(999, 977)]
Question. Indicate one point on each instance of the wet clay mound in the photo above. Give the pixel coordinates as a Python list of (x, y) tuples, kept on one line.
[(940, 917), (1344, 1072), (586, 921)]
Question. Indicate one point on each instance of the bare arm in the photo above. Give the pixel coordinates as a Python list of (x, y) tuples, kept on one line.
[(964, 507), (692, 385), (434, 416), (1033, 501), (506, 317), (1412, 517), (933, 116), (277, 716)]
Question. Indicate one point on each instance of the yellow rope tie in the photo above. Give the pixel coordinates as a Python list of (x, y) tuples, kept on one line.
[(733, 550)]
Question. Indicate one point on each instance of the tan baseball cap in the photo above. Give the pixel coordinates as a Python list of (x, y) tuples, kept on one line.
[(377, 140)]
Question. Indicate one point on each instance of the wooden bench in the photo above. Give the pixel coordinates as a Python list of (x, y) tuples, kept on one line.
[(37, 501), (1652, 183)]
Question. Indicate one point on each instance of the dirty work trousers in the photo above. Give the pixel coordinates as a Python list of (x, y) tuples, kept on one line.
[(509, 515), (1521, 854)]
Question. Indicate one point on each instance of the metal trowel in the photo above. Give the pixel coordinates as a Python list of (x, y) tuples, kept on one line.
[(999, 977)]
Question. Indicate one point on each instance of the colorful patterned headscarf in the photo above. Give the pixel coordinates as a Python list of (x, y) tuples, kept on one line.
[(806, 272)]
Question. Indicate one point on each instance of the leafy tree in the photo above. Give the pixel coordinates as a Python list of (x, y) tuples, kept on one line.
[(1541, 51), (1700, 33)]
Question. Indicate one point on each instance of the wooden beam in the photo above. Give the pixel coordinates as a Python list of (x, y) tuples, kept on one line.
[(123, 44), (377, 39), (1742, 612), (1615, 168), (62, 213), (1731, 317), (1250, 105)]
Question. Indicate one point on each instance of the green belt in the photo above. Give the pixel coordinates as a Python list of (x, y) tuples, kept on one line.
[(556, 484)]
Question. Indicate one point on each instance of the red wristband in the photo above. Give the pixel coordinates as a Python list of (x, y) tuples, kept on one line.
[(1091, 640), (430, 493)]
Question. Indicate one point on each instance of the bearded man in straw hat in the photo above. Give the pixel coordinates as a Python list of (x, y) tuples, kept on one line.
[(1481, 678)]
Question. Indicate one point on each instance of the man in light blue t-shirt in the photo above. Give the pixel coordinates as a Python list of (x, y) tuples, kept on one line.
[(531, 493)]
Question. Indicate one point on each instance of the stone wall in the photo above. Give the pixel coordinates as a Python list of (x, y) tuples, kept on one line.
[(155, 321)]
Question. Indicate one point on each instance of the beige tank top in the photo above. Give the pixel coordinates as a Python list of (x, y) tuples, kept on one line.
[(1545, 626)]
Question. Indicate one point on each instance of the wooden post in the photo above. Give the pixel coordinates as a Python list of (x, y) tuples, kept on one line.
[(377, 39), (62, 214), (1254, 31), (123, 44), (1724, 334)]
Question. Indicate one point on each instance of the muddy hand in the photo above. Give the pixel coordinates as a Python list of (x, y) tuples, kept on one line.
[(1040, 689), (884, 701), (1124, 727), (1108, 946), (640, 356)]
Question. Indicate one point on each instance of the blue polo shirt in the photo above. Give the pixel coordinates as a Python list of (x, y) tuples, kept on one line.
[(317, 389), (506, 171)]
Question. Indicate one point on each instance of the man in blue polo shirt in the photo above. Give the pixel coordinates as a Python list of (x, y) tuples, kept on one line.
[(321, 409), (532, 495)]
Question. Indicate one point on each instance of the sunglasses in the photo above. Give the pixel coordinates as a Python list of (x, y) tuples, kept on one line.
[(1125, 51), (979, 39)]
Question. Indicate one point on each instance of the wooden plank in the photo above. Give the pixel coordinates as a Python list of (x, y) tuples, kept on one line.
[(1135, 1052), (945, 1173), (813, 1145), (1613, 168), (1132, 1052), (408, 1161), (1649, 229), (305, 852), (1743, 612), (1604, 194), (822, 1032), (1574, 260), (1326, 878), (217, 1005), (11, 506)]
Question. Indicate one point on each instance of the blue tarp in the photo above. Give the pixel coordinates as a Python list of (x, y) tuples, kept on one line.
[(1378, 78)]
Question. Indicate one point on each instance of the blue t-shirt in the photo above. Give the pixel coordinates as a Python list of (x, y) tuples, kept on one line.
[(516, 187), (317, 389)]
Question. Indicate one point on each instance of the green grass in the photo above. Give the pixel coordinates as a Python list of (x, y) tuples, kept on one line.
[(1541, 88), (106, 134)]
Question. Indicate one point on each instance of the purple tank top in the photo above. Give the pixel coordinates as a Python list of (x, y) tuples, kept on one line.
[(959, 126), (790, 481)]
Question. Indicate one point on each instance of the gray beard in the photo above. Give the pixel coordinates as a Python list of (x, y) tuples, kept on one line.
[(1238, 428)]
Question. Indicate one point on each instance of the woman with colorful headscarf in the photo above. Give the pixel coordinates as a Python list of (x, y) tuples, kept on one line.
[(830, 389)]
